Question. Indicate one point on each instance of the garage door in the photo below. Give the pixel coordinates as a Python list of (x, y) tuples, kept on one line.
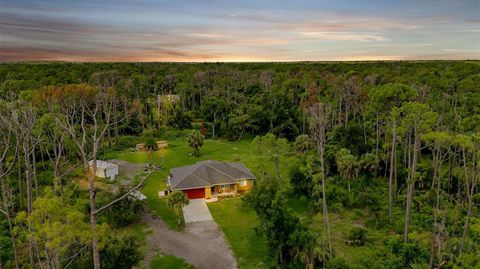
[(195, 193)]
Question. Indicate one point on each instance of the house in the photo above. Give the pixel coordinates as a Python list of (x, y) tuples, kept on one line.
[(211, 179), (105, 169)]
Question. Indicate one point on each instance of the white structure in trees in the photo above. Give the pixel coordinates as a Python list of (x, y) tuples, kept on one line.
[(105, 169)]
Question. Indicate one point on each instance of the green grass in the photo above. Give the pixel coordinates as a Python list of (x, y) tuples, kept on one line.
[(177, 155), (300, 206), (169, 262), (139, 230), (238, 223)]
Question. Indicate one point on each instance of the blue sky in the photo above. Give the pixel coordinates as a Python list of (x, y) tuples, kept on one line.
[(148, 30)]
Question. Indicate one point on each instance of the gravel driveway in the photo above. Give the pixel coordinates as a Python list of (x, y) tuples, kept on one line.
[(202, 244)]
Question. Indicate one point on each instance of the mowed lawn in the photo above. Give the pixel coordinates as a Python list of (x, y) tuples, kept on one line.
[(238, 223), (169, 262)]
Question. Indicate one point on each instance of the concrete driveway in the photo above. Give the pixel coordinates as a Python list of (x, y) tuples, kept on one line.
[(196, 210)]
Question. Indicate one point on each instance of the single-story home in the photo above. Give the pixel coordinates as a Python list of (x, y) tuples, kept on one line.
[(210, 179), (105, 169)]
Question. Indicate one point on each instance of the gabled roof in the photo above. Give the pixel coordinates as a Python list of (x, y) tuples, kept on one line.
[(207, 174)]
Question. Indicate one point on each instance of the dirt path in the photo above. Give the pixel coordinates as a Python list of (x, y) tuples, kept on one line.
[(202, 244)]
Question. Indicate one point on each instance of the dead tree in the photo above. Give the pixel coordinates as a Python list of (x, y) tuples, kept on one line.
[(469, 151), (8, 143), (319, 120), (24, 118), (86, 115)]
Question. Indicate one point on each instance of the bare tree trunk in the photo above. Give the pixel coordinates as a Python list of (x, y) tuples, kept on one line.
[(109, 136), (115, 126), (470, 185), (34, 171), (441, 240), (90, 170), (28, 177), (390, 179), (320, 115), (213, 125), (411, 186), (93, 223), (20, 187), (364, 130), (325, 207), (6, 208), (435, 183), (377, 134)]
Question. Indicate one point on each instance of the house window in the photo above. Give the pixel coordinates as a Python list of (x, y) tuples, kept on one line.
[(225, 187), (243, 183)]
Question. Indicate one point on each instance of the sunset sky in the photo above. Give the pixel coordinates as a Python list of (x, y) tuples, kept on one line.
[(226, 30)]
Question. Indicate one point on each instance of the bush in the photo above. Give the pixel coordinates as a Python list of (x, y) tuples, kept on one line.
[(411, 252), (127, 141), (181, 119), (302, 143), (357, 236), (122, 213), (120, 251), (301, 183), (148, 138), (336, 263)]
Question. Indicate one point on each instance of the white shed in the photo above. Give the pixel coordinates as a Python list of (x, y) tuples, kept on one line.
[(105, 169)]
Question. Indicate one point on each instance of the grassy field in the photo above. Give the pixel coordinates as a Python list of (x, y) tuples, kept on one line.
[(178, 154), (169, 262), (238, 223)]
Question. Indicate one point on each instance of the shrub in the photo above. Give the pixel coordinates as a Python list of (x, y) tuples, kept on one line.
[(181, 119), (336, 263), (411, 252), (301, 183), (127, 141), (122, 213), (302, 143), (119, 251), (357, 236)]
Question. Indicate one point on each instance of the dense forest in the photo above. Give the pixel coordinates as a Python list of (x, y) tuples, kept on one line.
[(398, 141)]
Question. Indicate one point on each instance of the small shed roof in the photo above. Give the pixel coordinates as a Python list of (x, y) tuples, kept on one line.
[(103, 164)]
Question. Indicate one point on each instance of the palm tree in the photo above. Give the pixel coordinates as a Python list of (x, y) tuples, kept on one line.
[(175, 201), (347, 164), (195, 141)]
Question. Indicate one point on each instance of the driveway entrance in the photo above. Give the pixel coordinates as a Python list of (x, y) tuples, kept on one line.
[(196, 210)]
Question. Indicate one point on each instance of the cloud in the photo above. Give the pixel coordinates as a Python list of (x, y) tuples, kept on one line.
[(197, 31), (345, 36)]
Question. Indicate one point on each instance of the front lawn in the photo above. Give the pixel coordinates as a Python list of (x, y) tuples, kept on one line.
[(176, 155), (169, 262), (238, 223)]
